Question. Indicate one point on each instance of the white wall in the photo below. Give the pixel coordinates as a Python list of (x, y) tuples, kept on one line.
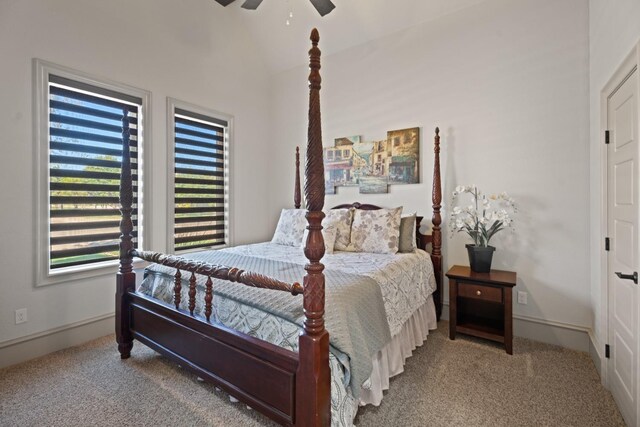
[(187, 49), (507, 82), (614, 29)]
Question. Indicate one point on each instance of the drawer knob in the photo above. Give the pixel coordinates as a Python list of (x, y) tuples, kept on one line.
[(478, 293)]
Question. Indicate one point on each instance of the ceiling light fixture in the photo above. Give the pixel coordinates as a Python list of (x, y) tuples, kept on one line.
[(322, 6)]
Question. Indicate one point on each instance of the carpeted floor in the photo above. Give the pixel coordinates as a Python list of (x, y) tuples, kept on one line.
[(465, 382)]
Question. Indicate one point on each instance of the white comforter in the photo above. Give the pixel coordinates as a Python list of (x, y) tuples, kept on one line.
[(406, 280)]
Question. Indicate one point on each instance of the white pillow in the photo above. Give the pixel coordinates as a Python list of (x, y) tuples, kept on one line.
[(342, 218), (376, 231), (329, 233), (290, 227)]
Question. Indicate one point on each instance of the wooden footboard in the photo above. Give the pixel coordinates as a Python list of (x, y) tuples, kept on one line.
[(256, 372)]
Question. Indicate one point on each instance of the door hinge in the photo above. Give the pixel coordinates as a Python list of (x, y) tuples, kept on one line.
[(606, 136), (606, 243), (607, 351)]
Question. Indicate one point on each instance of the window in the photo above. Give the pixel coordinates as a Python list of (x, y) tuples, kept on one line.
[(80, 127), (201, 177)]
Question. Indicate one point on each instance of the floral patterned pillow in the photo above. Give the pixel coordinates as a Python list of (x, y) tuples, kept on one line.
[(342, 218), (329, 233), (376, 231), (290, 227)]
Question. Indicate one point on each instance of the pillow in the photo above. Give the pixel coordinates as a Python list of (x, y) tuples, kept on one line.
[(407, 233), (375, 231), (290, 227), (342, 218), (329, 233)]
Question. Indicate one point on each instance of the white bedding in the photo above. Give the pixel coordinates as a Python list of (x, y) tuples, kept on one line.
[(406, 279)]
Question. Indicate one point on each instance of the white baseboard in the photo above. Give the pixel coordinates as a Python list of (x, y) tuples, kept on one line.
[(557, 333), (29, 347), (594, 352), (35, 345)]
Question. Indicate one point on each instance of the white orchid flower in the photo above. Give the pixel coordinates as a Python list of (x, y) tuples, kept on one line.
[(480, 217)]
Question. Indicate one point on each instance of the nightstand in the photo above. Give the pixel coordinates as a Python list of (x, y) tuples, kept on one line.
[(480, 304)]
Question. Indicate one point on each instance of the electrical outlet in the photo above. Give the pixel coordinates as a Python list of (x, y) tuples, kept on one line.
[(522, 297), (21, 316)]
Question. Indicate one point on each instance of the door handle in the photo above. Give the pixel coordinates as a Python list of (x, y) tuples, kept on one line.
[(633, 276)]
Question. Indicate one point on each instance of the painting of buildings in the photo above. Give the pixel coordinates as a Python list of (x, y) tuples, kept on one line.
[(373, 165), (345, 163), (403, 156)]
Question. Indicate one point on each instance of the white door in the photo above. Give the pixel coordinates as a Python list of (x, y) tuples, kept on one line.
[(622, 206)]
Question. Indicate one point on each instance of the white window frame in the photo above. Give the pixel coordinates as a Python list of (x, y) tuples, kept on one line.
[(172, 104), (42, 70)]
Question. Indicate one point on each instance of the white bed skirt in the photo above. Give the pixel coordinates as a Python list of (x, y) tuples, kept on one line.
[(389, 361)]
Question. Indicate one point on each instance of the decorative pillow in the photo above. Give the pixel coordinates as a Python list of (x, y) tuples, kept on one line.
[(329, 233), (290, 227), (407, 233), (376, 231), (342, 219)]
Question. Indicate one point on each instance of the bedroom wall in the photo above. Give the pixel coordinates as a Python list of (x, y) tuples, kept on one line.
[(507, 83), (614, 29), (188, 50)]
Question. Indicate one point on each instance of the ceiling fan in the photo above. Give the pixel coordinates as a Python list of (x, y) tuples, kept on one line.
[(322, 6)]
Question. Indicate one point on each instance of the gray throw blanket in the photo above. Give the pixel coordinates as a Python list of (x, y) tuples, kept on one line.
[(354, 310)]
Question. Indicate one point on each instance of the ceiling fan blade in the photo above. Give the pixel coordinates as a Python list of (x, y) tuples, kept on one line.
[(251, 4), (225, 2), (323, 6)]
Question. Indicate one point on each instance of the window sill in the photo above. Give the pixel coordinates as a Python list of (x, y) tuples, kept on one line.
[(109, 268)]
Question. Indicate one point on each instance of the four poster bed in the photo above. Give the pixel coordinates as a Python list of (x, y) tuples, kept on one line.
[(271, 349)]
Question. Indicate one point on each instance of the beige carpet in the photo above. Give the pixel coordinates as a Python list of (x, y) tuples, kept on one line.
[(466, 382)]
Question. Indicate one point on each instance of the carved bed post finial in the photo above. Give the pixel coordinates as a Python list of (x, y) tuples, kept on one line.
[(436, 198), (125, 278), (297, 198), (313, 404), (314, 173)]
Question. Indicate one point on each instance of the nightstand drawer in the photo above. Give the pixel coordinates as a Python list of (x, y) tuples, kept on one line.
[(486, 293)]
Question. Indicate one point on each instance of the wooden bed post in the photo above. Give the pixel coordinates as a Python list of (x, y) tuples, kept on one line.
[(313, 400), (297, 198), (436, 220), (126, 278)]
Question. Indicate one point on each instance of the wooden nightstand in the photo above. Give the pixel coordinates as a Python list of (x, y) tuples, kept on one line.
[(480, 304)]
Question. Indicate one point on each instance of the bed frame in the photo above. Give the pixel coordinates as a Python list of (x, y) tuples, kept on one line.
[(290, 388)]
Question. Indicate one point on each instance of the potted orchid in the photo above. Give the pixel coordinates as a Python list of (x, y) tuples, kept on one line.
[(481, 220)]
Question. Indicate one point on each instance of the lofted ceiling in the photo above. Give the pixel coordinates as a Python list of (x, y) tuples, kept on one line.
[(351, 23)]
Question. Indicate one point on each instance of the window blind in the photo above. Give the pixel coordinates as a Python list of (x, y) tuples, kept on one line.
[(200, 181), (85, 155)]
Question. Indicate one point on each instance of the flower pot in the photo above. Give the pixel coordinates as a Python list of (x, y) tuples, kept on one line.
[(480, 258)]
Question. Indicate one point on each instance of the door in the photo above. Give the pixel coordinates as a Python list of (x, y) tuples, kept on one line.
[(622, 213)]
